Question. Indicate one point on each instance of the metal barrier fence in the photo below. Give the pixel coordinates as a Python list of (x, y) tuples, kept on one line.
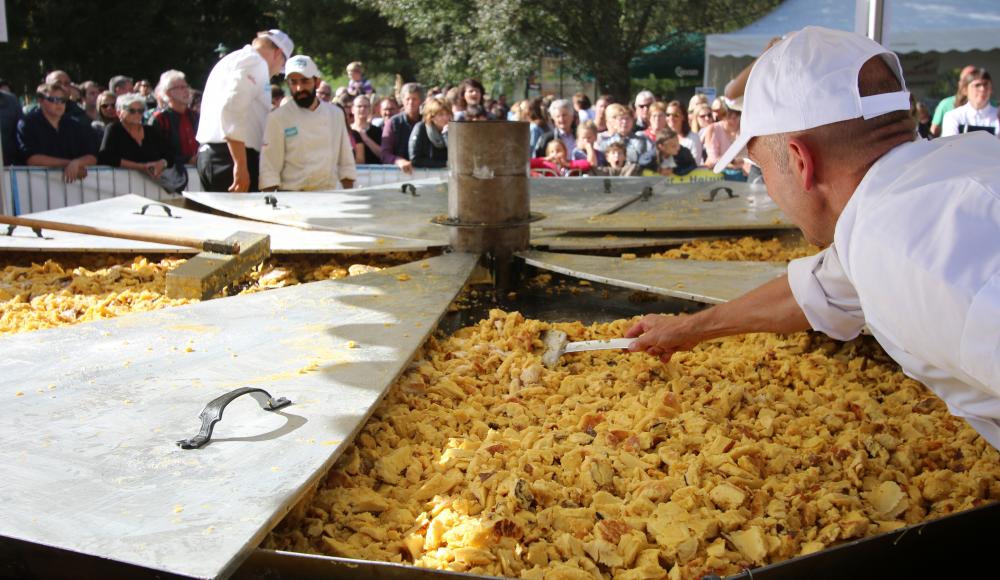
[(35, 189)]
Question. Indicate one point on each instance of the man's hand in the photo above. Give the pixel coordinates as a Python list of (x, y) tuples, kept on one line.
[(155, 168), (404, 165), (662, 336), (241, 179), (74, 170), (347, 183)]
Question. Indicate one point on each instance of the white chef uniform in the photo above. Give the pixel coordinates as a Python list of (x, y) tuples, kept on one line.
[(306, 150), (237, 99), (916, 256)]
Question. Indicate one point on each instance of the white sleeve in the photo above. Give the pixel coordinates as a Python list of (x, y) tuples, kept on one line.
[(949, 125), (238, 94), (826, 295), (696, 148), (979, 351), (272, 153), (346, 167)]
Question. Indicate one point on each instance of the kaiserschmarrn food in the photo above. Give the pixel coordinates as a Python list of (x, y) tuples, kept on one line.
[(745, 249), (77, 288), (745, 451)]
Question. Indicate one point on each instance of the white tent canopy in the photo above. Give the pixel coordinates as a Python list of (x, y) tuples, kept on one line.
[(913, 26)]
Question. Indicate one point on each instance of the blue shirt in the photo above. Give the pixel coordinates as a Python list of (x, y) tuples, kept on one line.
[(36, 136)]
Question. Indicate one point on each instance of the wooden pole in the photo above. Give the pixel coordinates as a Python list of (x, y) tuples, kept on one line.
[(217, 246)]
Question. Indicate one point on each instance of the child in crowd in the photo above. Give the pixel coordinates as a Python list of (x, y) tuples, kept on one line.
[(586, 138), (617, 163), (557, 161), (672, 158)]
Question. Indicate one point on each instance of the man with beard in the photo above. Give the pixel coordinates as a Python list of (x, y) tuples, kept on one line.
[(234, 112), (306, 147)]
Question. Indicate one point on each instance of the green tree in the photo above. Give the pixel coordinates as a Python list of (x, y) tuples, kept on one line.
[(337, 32), (96, 40), (504, 38)]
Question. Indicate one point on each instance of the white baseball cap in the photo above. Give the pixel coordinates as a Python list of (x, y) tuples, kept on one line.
[(808, 80), (303, 65), (281, 40)]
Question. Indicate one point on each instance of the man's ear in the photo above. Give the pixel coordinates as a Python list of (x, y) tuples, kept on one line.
[(801, 163)]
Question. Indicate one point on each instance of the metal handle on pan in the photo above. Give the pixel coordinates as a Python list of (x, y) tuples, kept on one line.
[(212, 413), (166, 208), (717, 190)]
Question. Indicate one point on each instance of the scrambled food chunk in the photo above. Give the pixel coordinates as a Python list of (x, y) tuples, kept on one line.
[(78, 288), (746, 451), (745, 249)]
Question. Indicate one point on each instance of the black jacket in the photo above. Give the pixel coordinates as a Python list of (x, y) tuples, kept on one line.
[(423, 153)]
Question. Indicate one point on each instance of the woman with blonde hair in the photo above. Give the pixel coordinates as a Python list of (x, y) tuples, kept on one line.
[(429, 139)]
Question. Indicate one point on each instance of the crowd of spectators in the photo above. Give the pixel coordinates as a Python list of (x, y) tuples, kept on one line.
[(146, 127)]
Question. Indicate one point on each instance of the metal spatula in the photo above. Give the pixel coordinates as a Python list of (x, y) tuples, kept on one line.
[(557, 343)]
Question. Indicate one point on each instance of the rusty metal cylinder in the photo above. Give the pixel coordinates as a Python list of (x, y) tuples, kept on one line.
[(488, 203)]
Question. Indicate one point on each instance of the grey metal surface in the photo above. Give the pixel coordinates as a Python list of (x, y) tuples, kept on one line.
[(682, 208), (122, 213), (569, 242), (698, 280), (91, 414), (386, 211), (377, 211)]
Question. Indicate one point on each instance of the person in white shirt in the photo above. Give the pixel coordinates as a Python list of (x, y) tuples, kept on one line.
[(234, 111), (911, 228), (306, 145), (977, 114)]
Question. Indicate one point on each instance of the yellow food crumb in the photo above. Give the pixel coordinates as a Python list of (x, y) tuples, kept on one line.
[(403, 277), (628, 256), (613, 465), (178, 509), (351, 344), (745, 249), (19, 394)]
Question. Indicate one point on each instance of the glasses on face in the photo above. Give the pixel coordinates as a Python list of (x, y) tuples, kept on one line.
[(107, 105), (673, 114), (55, 100), (135, 111), (645, 106), (705, 116)]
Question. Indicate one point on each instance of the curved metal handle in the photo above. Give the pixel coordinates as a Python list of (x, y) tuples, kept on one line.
[(271, 201), (647, 193), (12, 227), (212, 413), (166, 208), (607, 185), (717, 190), (410, 189)]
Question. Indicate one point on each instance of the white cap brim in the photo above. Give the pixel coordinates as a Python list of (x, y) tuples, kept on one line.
[(734, 150)]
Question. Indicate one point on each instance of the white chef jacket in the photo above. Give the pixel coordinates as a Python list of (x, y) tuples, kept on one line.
[(967, 116), (236, 100), (306, 150), (916, 256)]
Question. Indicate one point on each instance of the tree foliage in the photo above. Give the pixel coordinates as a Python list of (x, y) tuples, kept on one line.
[(429, 40), (97, 40), (504, 38)]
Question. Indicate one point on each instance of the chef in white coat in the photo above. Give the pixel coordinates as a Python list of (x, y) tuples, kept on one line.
[(234, 110), (911, 228), (306, 143)]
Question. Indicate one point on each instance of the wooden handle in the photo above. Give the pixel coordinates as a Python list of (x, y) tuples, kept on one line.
[(204, 245)]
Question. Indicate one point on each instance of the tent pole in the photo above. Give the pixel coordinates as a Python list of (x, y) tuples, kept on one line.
[(870, 19)]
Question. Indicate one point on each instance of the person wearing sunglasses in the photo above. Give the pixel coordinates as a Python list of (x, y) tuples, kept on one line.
[(132, 145), (48, 137), (643, 101)]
